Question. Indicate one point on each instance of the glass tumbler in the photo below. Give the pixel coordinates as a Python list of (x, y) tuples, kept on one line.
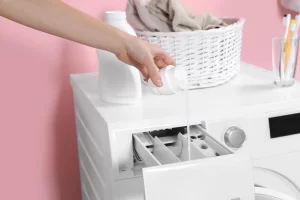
[(284, 60)]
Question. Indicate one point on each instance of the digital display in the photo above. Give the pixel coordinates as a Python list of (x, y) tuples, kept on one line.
[(285, 125)]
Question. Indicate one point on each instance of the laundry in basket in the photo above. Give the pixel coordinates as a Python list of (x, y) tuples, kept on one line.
[(208, 47)]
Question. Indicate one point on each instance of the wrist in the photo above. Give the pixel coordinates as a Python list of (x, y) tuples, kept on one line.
[(116, 41), (121, 42)]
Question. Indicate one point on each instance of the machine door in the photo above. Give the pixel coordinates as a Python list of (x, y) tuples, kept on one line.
[(278, 177), (269, 194)]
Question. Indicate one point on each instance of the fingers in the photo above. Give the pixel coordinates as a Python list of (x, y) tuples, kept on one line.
[(160, 63), (144, 72), (162, 55), (169, 60), (153, 71), (142, 68)]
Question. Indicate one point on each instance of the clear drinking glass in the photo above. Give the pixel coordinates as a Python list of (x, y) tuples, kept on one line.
[(284, 60)]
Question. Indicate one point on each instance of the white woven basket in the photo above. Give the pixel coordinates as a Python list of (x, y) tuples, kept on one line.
[(211, 57)]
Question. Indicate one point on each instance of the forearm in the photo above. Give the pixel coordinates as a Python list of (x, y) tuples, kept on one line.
[(57, 18)]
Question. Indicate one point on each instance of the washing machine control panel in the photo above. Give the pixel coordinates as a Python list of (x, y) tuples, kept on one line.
[(261, 135)]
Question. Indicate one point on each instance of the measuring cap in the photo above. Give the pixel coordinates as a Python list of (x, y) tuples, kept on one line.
[(174, 80)]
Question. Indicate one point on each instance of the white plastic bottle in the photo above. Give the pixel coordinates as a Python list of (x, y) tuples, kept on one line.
[(174, 80), (119, 83)]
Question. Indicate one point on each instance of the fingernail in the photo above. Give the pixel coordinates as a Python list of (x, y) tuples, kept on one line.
[(159, 83)]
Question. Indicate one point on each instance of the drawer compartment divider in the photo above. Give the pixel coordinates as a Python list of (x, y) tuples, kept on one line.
[(147, 157), (162, 153)]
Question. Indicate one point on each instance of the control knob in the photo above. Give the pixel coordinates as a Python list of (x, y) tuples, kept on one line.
[(234, 137)]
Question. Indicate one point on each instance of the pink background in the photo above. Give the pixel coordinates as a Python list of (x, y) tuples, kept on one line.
[(38, 145)]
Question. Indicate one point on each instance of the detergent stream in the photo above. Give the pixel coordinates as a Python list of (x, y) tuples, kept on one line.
[(186, 91)]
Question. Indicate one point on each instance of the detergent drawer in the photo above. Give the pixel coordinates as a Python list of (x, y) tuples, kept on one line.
[(171, 146), (209, 172)]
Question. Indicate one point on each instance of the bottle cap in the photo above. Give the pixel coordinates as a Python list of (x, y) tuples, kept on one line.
[(174, 80), (115, 16)]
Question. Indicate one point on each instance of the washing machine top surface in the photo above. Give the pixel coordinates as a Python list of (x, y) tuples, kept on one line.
[(251, 92)]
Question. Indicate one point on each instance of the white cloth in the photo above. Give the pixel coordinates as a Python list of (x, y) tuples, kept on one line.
[(291, 4), (167, 16)]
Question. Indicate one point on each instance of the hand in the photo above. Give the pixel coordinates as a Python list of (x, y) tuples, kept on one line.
[(146, 57)]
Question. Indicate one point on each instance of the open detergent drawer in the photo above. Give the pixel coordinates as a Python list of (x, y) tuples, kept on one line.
[(212, 173)]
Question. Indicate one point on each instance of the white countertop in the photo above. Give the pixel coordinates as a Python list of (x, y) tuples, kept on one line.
[(252, 91)]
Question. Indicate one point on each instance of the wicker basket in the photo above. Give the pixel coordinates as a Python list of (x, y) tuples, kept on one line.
[(211, 57)]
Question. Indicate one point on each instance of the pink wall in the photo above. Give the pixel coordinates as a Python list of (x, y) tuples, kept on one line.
[(38, 145)]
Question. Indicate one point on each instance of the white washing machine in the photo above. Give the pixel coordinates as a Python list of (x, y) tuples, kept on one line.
[(244, 142)]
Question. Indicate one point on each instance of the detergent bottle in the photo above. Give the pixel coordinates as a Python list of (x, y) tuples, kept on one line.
[(119, 83)]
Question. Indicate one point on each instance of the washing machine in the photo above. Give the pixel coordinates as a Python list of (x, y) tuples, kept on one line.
[(237, 141)]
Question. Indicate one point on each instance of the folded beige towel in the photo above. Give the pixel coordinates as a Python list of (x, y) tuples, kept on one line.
[(167, 16)]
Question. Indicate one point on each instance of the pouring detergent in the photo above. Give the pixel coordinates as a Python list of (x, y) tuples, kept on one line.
[(120, 83), (175, 80)]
